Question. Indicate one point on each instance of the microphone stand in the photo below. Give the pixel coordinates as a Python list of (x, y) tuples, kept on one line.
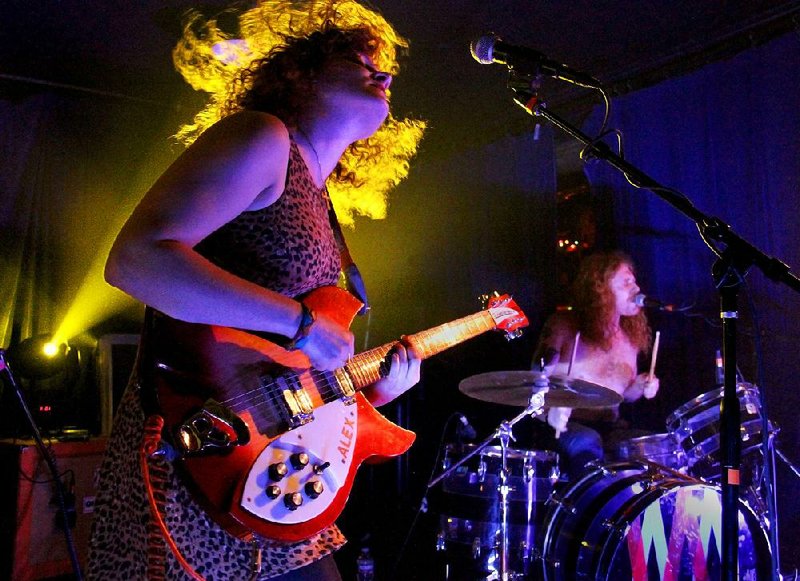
[(728, 273), (49, 461)]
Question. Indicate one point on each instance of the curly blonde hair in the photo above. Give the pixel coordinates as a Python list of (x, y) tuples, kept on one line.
[(270, 65), (593, 302)]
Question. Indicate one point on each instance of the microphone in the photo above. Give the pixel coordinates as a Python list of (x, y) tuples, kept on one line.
[(465, 430), (642, 300), (489, 49)]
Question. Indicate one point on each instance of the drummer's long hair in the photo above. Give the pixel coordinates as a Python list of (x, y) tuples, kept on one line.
[(593, 302)]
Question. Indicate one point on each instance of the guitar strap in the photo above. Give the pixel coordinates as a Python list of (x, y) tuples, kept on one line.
[(353, 281), (145, 365)]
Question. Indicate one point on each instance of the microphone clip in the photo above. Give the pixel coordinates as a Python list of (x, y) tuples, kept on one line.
[(525, 87)]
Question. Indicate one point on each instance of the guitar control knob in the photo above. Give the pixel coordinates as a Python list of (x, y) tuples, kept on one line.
[(277, 471), (320, 468), (314, 488), (299, 460), (273, 491), (293, 500)]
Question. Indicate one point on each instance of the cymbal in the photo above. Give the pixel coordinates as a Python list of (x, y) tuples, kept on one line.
[(515, 388)]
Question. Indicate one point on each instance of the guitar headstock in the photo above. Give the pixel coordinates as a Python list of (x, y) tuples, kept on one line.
[(507, 315)]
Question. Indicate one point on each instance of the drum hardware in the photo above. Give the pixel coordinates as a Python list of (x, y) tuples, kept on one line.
[(476, 548), (697, 428), (528, 471), (440, 541), (556, 499), (482, 471), (537, 386), (514, 388), (533, 391), (625, 513), (602, 468)]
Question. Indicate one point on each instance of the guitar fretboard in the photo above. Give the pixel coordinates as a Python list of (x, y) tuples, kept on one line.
[(364, 368)]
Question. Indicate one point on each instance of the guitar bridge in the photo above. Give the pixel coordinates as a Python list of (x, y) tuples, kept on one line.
[(213, 428)]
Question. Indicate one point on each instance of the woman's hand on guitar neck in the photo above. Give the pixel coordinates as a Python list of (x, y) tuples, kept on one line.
[(329, 345), (402, 371)]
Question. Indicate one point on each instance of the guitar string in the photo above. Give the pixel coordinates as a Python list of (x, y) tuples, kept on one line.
[(313, 374), (265, 394), (327, 392), (373, 357)]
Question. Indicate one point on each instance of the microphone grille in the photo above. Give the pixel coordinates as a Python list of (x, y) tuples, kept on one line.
[(482, 49), (639, 300)]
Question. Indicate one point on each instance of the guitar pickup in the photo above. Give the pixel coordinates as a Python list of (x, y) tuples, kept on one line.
[(299, 406), (343, 385)]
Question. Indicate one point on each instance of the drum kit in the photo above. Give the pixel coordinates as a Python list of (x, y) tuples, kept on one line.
[(652, 511)]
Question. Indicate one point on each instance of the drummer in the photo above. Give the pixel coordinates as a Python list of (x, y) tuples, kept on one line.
[(611, 333)]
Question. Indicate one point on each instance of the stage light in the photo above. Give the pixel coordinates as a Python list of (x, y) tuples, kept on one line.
[(50, 349), (39, 357)]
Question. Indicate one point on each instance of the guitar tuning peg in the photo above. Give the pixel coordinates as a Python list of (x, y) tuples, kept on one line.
[(511, 335), (490, 299)]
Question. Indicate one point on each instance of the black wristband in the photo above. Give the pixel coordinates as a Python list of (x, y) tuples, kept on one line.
[(301, 337)]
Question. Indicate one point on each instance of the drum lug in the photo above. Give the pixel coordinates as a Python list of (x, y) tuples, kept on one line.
[(441, 544), (527, 551), (482, 470), (529, 472), (557, 500), (613, 528), (476, 548), (604, 470)]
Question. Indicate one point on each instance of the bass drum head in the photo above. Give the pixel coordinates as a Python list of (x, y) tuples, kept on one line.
[(635, 520)]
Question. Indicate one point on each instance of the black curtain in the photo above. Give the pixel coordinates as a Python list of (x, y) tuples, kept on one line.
[(728, 137)]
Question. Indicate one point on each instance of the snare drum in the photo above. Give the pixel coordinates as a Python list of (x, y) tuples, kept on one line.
[(470, 509), (696, 426), (634, 520), (663, 449)]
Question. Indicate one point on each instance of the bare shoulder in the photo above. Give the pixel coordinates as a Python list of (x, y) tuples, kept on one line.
[(561, 324), (238, 164), (251, 131), (241, 161)]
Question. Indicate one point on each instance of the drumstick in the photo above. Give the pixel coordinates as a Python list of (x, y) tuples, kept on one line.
[(574, 351), (654, 357)]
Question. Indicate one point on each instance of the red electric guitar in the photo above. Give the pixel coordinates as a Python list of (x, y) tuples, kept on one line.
[(268, 444)]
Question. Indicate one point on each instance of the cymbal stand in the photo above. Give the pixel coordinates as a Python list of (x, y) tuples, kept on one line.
[(504, 433)]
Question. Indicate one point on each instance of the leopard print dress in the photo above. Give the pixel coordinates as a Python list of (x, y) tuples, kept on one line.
[(288, 247)]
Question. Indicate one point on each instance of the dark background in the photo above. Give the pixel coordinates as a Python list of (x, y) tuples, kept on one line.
[(705, 93)]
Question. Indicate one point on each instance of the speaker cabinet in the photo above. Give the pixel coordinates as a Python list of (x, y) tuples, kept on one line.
[(32, 541)]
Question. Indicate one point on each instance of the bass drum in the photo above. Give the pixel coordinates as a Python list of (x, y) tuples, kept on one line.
[(639, 521)]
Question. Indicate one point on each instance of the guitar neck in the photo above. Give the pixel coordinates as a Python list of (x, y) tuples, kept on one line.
[(364, 368)]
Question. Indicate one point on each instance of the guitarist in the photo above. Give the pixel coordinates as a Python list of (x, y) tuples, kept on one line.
[(232, 234)]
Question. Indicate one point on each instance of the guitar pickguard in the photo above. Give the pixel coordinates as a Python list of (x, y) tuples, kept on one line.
[(329, 442)]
